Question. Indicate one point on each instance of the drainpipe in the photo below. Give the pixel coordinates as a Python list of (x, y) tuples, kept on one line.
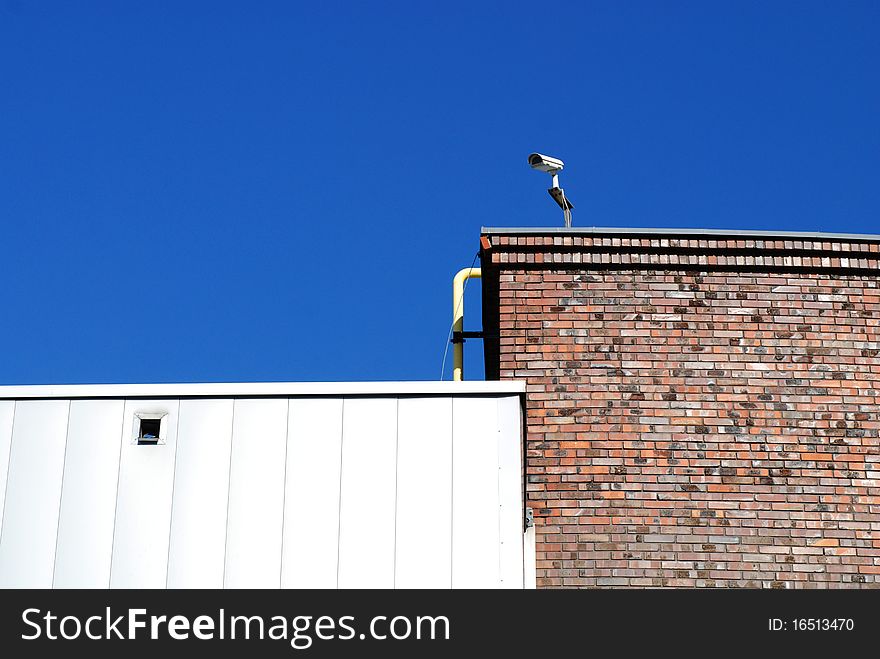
[(458, 319)]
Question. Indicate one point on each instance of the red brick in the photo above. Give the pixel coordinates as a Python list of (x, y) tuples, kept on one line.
[(729, 398)]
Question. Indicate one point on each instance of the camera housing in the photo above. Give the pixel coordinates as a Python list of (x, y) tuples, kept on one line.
[(544, 163)]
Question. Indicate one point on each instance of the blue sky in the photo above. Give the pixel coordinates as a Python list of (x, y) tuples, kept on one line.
[(218, 191)]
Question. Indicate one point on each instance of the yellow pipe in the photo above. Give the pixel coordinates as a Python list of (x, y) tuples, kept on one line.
[(458, 318)]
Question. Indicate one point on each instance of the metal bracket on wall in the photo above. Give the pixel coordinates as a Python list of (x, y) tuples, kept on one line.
[(461, 337), (530, 517)]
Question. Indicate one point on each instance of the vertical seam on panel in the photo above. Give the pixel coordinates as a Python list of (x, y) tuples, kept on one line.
[(339, 502), (61, 493), (173, 483), (284, 494), (228, 490), (118, 476), (8, 468), (498, 489), (452, 493), (396, 464), (520, 449)]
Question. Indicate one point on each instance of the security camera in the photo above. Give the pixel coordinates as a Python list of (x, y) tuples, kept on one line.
[(553, 166), (545, 163)]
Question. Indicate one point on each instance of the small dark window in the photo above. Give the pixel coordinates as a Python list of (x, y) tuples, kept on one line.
[(149, 431)]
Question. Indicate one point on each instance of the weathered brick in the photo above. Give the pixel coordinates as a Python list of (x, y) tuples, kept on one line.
[(700, 413)]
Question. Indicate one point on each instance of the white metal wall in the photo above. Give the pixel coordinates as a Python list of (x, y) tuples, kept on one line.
[(304, 492)]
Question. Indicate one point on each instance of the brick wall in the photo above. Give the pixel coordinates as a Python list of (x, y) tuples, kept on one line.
[(702, 410)]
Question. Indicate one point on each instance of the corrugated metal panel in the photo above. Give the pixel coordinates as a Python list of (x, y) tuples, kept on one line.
[(7, 413), (510, 509), (197, 551), (311, 499), (475, 514), (256, 494), (88, 496), (368, 493), (424, 493), (33, 494), (143, 505), (379, 491)]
